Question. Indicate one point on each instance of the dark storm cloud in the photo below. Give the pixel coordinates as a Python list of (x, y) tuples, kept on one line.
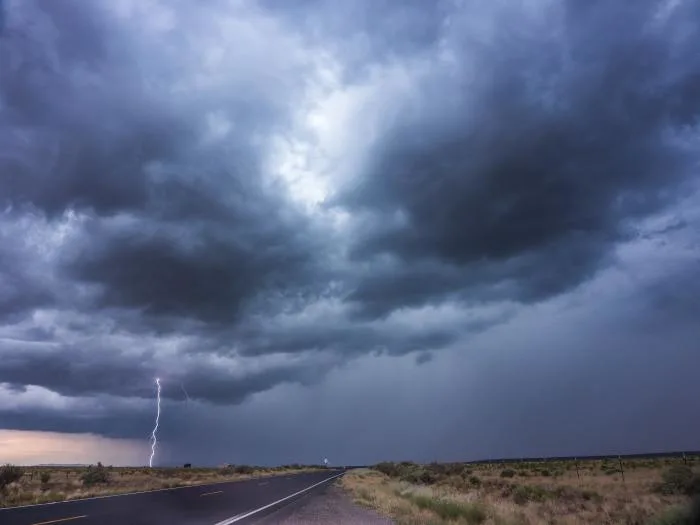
[(145, 234), (77, 129), (200, 272), (99, 367), (178, 229), (423, 358), (409, 282), (366, 32), (340, 336), (206, 384), (86, 129), (21, 290), (2, 16), (542, 148), (19, 293), (76, 371), (104, 417), (92, 119), (103, 424)]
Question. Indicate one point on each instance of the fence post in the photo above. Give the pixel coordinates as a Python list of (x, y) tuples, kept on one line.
[(622, 470), (577, 472), (685, 460)]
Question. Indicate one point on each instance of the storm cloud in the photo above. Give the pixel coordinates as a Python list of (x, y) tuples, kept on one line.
[(545, 149), (269, 201)]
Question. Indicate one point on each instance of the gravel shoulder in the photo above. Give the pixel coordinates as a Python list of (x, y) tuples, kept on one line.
[(330, 506)]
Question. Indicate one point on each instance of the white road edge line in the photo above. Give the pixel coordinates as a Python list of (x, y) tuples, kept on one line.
[(78, 500), (240, 517)]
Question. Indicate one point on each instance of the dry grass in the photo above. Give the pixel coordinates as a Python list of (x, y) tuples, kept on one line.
[(67, 483), (519, 493)]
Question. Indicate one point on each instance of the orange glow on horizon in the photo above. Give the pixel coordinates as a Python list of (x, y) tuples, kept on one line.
[(24, 447)]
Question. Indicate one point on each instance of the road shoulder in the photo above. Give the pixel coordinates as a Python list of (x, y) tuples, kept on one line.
[(331, 505)]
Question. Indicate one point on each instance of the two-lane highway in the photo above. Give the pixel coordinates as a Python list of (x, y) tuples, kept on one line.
[(236, 502)]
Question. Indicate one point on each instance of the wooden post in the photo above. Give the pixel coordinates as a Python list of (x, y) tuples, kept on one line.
[(685, 460), (577, 472), (622, 470)]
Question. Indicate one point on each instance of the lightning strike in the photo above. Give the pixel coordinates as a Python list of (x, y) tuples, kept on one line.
[(187, 396), (154, 439)]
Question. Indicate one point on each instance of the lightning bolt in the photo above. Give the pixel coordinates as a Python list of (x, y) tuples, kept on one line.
[(185, 392), (154, 439)]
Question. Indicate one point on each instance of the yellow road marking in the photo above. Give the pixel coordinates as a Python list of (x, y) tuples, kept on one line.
[(59, 521), (210, 493)]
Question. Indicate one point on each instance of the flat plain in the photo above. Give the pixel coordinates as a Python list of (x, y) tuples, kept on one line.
[(656, 491)]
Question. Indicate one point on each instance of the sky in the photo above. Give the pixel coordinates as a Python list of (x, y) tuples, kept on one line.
[(368, 230)]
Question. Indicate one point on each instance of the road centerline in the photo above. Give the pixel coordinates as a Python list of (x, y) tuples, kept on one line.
[(138, 492), (212, 493)]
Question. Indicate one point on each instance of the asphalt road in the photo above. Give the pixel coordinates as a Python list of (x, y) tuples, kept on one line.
[(232, 503)]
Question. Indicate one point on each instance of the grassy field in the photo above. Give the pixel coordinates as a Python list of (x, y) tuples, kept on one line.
[(643, 492), (29, 485)]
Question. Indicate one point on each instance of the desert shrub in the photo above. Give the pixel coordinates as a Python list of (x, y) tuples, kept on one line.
[(693, 487), (524, 493), (520, 495), (419, 475), (437, 468), (229, 470), (475, 481), (591, 495), (678, 479), (451, 510), (507, 473), (446, 469), (94, 475), (45, 477), (387, 467), (366, 496), (674, 516), (10, 474), (414, 473), (455, 469), (545, 472), (565, 493)]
